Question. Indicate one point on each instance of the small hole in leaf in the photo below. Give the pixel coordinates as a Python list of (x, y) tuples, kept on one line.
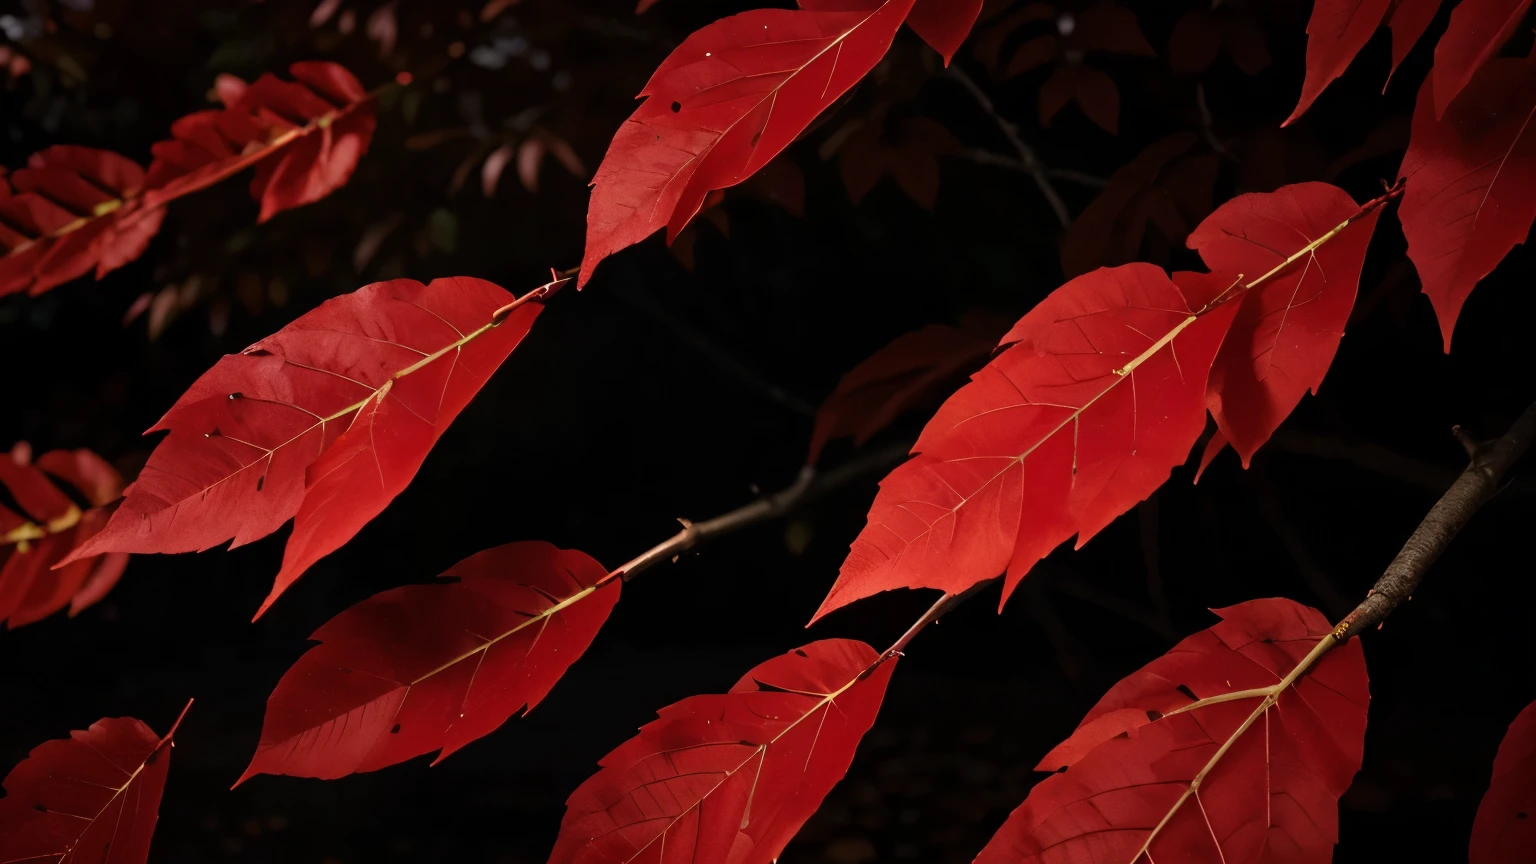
[(395, 730), (1184, 688), (1520, 815), (1154, 716), (676, 107), (39, 808)]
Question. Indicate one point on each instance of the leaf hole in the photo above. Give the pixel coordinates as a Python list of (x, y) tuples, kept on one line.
[(1154, 716), (395, 730), (1520, 815), (676, 107), (1184, 688)]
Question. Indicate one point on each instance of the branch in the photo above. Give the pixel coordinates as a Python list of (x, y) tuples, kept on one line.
[(808, 486), (1027, 158), (1476, 485)]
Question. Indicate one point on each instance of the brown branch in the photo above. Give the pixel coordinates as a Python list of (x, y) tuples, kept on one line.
[(1027, 158), (1476, 485), (808, 486)]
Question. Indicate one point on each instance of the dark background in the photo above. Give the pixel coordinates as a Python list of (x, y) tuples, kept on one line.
[(658, 393)]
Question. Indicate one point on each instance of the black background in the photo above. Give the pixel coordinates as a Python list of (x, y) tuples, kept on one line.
[(618, 415)]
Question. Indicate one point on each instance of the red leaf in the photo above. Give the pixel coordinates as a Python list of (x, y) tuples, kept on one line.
[(724, 103), (899, 377), (1478, 29), (1408, 20), (73, 209), (429, 667), (1467, 201), (1288, 329), (730, 777), (1110, 230), (304, 137), (944, 24), (326, 421), (1336, 32), (53, 527), (1101, 394), (1504, 832), (1250, 777), (91, 798)]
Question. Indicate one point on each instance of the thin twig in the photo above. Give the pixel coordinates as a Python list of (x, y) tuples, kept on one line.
[(1206, 125), (983, 156), (1031, 163), (808, 486)]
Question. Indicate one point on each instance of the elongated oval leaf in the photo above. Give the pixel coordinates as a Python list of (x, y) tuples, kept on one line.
[(1288, 329), (304, 136), (1469, 176), (1100, 395), (1505, 829), (730, 777), (429, 667), (1336, 32), (91, 798), (1478, 29), (1204, 755), (724, 103), (327, 420)]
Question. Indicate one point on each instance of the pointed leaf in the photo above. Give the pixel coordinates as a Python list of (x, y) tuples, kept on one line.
[(725, 102), (1478, 29), (899, 377), (1336, 32), (1288, 329), (730, 777), (1100, 395), (304, 136), (91, 798), (434, 667), (1251, 772), (1468, 201), (944, 24), (1504, 832), (1408, 20), (327, 420)]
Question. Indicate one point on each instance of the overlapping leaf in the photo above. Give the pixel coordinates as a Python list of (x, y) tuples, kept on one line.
[(730, 777), (1211, 753), (1338, 30), (91, 798), (51, 525), (1469, 176), (434, 667), (908, 153), (71, 210), (899, 377), (324, 422), (304, 136), (1100, 394), (725, 102), (1478, 29), (1504, 831), (1288, 329)]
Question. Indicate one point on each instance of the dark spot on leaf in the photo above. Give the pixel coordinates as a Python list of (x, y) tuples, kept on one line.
[(39, 808), (1520, 815), (1061, 770), (676, 107), (799, 653), (1154, 716), (237, 395), (395, 730), (261, 482), (1184, 688)]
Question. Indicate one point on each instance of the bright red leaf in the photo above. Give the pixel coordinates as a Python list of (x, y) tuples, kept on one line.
[(304, 136), (434, 667), (1478, 29), (50, 526), (1288, 329), (1504, 832), (729, 777), (91, 798), (1207, 754), (725, 102), (1100, 393), (323, 422), (71, 210), (899, 377), (1469, 177)]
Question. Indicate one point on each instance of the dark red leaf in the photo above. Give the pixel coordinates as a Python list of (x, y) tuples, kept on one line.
[(1408, 20), (1100, 394), (91, 798), (434, 667), (1469, 175), (1336, 32), (1478, 29), (910, 155), (899, 377), (729, 777), (304, 137), (1109, 231), (1288, 329), (1109, 27), (1505, 829), (943, 24), (1251, 772), (323, 422), (723, 104)]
